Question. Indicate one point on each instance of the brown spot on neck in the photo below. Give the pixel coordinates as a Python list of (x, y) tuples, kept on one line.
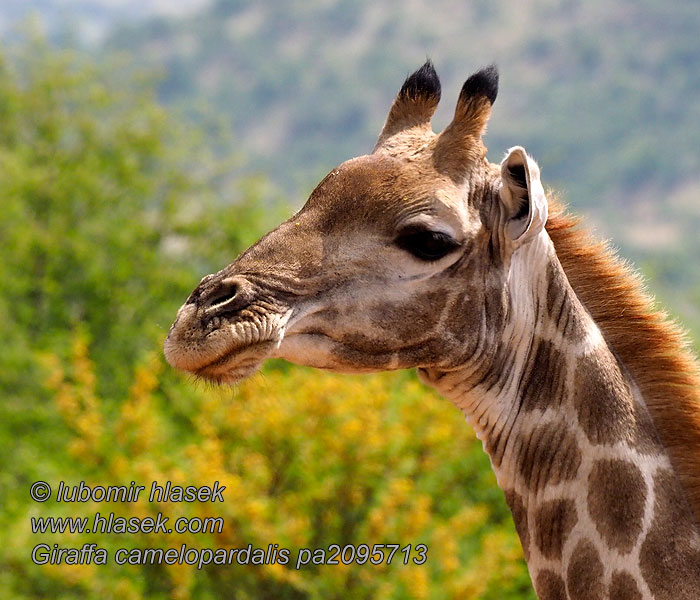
[(547, 455), (543, 381), (602, 399), (554, 520), (584, 575), (606, 409), (616, 499), (624, 587), (549, 586)]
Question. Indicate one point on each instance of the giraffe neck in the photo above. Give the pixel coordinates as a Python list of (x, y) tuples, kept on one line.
[(597, 505)]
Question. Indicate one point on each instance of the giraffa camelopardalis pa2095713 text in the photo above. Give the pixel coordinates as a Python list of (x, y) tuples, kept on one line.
[(423, 254)]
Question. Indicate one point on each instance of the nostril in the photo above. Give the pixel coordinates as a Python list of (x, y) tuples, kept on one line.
[(223, 296)]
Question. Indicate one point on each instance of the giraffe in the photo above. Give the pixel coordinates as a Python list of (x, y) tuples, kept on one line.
[(425, 255)]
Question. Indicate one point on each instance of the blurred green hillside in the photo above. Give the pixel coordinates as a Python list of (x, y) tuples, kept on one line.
[(595, 89), (132, 167), (605, 95)]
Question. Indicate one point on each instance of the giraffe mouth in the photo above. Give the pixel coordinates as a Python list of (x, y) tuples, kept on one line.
[(237, 364), (226, 351)]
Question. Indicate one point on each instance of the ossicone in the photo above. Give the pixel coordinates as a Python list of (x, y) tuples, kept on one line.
[(460, 144), (415, 103), (475, 100)]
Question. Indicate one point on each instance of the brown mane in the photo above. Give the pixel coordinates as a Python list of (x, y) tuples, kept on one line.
[(653, 348)]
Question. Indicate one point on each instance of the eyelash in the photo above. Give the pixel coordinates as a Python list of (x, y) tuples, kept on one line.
[(426, 245)]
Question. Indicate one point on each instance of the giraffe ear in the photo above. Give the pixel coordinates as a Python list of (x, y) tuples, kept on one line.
[(522, 196)]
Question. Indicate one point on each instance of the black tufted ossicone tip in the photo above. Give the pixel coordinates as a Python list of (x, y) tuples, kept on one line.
[(482, 83), (423, 83)]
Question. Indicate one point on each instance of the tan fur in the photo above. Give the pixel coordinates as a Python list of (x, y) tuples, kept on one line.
[(471, 116), (408, 112), (647, 342), (459, 147)]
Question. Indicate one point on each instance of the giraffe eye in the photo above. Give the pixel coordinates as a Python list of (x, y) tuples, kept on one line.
[(425, 244)]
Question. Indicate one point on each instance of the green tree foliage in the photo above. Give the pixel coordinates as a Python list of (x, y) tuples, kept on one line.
[(110, 214), (104, 208)]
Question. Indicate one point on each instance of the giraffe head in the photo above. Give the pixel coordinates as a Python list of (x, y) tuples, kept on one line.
[(398, 259)]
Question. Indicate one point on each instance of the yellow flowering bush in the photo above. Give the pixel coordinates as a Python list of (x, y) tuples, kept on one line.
[(308, 459)]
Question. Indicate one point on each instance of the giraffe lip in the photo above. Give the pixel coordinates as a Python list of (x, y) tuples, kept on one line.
[(235, 364), (229, 348)]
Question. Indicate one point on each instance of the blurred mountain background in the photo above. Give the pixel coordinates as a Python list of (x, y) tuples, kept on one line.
[(605, 96), (153, 136)]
